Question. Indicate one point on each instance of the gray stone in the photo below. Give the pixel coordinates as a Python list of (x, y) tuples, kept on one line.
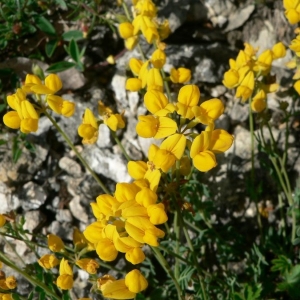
[(70, 166), (104, 137), (33, 219), (64, 230), (64, 215), (103, 162), (239, 17), (77, 210), (32, 196)]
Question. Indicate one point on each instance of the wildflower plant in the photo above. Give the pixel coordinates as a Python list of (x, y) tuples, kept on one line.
[(153, 215)]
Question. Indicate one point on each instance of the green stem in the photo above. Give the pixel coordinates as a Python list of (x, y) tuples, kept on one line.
[(177, 237), (166, 84), (120, 145), (167, 268), (284, 180), (175, 254), (251, 125), (124, 5), (190, 244), (71, 145), (32, 280)]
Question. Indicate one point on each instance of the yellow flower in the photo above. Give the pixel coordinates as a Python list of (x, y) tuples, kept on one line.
[(259, 103), (206, 144), (105, 247), (295, 45), (203, 158), (126, 30), (150, 126), (48, 261), (245, 90), (278, 51), (131, 42), (11, 282), (92, 231), (89, 265), (154, 80), (30, 81), (55, 243), (135, 281), (164, 29), (113, 121), (146, 8), (135, 65), (180, 75), (116, 290), (143, 231), (170, 150), (231, 78), (208, 111), (137, 169), (2, 220), (52, 85), (264, 62), (61, 106), (25, 118), (292, 8), (133, 84), (65, 278), (88, 130), (157, 103), (6, 296), (158, 58), (188, 97)]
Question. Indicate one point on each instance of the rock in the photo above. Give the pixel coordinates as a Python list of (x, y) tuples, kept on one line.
[(64, 230), (32, 220), (238, 112), (103, 162), (70, 166), (104, 137), (32, 196), (239, 17), (176, 12), (5, 199), (64, 215), (77, 210)]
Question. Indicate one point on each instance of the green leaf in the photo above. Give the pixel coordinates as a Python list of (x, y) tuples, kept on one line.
[(72, 35), (74, 51), (50, 47), (3, 142), (62, 4), (16, 150), (296, 241), (44, 25), (2, 107), (15, 296), (60, 66)]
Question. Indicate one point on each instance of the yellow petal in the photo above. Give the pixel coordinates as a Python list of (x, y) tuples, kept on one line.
[(12, 120), (204, 161), (135, 281)]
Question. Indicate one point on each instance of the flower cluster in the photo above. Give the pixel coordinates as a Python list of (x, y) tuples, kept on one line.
[(294, 63), (174, 122), (25, 115), (6, 284), (249, 74), (125, 222), (144, 22), (88, 130)]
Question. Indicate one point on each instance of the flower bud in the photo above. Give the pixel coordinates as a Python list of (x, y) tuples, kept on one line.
[(55, 243), (48, 261)]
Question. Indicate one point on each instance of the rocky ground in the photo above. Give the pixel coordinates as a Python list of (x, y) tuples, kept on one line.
[(53, 191)]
